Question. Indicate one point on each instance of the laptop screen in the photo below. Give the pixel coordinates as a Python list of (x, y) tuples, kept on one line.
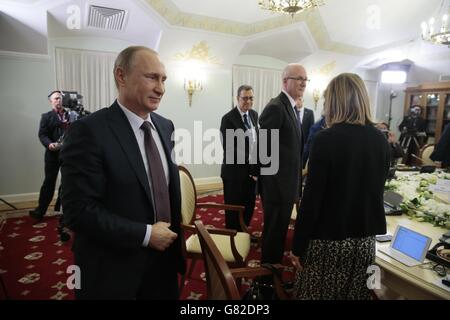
[(410, 243)]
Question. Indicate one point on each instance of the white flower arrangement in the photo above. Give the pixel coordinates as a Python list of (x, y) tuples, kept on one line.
[(418, 200)]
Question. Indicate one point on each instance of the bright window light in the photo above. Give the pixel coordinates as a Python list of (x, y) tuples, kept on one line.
[(390, 76)]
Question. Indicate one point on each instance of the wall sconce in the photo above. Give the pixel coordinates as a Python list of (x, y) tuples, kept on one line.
[(316, 97), (191, 86)]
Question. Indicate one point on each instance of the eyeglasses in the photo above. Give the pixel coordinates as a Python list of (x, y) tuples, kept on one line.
[(438, 268), (305, 80), (247, 98)]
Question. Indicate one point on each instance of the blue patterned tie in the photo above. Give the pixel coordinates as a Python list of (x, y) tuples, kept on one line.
[(246, 124)]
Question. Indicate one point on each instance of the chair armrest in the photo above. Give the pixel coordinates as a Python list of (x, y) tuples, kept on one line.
[(261, 271), (250, 272), (229, 207), (253, 272), (222, 231), (226, 232)]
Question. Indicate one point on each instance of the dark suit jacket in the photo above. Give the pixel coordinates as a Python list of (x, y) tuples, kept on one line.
[(307, 122), (284, 186), (107, 203), (233, 120), (442, 149), (50, 130), (343, 196)]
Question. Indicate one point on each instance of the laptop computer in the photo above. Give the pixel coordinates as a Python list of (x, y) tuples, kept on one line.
[(407, 246), (392, 202)]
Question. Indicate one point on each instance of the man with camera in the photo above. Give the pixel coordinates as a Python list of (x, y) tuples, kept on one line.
[(413, 135), (51, 129)]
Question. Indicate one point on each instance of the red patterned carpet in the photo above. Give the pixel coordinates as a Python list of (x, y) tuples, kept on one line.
[(33, 260)]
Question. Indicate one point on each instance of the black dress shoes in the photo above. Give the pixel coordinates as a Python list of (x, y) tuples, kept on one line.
[(36, 215)]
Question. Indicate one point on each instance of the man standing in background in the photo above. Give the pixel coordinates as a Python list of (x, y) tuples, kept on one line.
[(51, 128), (239, 170), (307, 120), (280, 191)]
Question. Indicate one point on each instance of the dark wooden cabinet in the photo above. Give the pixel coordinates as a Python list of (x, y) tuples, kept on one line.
[(434, 99)]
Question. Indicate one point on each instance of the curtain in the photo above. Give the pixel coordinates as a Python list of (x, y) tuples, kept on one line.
[(266, 84), (90, 73)]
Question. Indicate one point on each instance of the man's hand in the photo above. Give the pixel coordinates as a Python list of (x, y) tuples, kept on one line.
[(161, 237), (296, 262), (391, 137), (52, 146)]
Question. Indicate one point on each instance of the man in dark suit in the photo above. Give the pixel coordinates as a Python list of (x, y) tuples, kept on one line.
[(441, 153), (239, 170), (412, 136), (280, 191), (307, 120), (121, 190), (51, 128)]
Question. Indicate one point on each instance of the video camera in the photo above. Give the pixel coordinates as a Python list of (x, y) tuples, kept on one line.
[(73, 103)]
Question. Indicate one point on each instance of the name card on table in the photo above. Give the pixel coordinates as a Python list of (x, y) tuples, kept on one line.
[(443, 182), (439, 188)]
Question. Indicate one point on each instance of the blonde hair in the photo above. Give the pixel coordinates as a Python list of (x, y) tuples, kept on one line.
[(347, 101), (125, 59)]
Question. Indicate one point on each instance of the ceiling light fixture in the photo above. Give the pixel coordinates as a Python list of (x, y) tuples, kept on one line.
[(433, 33), (289, 6)]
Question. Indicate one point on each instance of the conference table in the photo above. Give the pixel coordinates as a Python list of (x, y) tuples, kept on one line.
[(419, 282)]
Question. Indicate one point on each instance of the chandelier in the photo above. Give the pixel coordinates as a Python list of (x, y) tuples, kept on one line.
[(434, 33), (289, 6)]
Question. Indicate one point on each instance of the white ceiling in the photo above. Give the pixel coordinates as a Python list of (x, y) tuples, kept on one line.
[(351, 22), (300, 44), (370, 24), (340, 28), (246, 11)]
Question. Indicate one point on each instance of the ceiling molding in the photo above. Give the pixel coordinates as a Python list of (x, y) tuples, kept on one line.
[(175, 17)]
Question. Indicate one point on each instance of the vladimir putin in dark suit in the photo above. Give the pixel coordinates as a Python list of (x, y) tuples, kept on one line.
[(121, 190), (239, 170), (280, 191)]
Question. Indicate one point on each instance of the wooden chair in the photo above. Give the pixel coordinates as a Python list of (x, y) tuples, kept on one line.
[(234, 246), (220, 279), (425, 154)]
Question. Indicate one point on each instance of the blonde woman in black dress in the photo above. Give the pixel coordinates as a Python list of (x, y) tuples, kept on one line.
[(342, 206)]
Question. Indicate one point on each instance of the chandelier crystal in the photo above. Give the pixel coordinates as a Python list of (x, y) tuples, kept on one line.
[(437, 34), (289, 6)]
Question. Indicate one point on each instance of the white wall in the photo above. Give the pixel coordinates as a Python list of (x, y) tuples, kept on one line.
[(25, 82)]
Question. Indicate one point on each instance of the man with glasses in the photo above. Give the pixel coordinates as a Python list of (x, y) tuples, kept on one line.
[(239, 172), (280, 191)]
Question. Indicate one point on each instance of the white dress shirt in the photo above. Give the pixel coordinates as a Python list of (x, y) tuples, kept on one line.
[(291, 100), (252, 133)]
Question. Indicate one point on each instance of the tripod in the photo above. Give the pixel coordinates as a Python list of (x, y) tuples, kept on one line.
[(9, 204), (411, 145)]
